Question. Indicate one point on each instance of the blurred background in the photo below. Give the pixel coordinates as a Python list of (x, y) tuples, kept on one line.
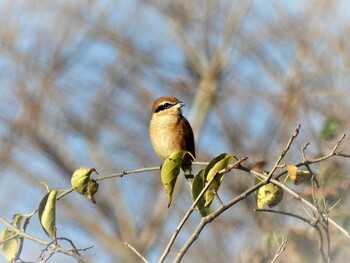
[(77, 81)]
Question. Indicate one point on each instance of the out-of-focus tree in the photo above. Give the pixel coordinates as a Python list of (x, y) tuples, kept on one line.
[(77, 81)]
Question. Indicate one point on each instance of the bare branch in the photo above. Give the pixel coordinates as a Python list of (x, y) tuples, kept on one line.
[(281, 248), (284, 151), (51, 244), (134, 171), (23, 234), (136, 252), (307, 203), (332, 153), (312, 224), (206, 220)]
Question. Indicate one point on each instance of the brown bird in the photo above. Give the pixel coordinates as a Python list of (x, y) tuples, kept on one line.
[(170, 131)]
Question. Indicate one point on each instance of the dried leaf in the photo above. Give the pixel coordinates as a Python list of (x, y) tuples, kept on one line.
[(297, 176)]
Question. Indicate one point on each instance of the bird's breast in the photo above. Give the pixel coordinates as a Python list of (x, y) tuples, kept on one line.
[(166, 135)]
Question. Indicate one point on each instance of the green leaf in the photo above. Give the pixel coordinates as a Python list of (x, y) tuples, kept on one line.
[(197, 187), (331, 129), (47, 213), (170, 171), (217, 164), (10, 247), (269, 194)]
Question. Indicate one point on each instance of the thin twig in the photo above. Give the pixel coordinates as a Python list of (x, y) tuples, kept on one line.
[(237, 199), (281, 248), (72, 253), (313, 177), (200, 163), (8, 239), (284, 151), (218, 198), (21, 239), (44, 243), (326, 229), (303, 149), (193, 206), (64, 193), (136, 252), (312, 224), (332, 153), (25, 235), (307, 203), (206, 220), (134, 171), (333, 206)]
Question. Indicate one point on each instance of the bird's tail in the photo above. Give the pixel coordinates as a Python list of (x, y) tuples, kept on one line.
[(187, 169)]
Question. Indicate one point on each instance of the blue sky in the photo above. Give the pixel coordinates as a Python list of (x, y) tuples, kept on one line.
[(85, 73)]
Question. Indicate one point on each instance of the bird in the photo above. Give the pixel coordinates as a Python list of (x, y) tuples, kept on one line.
[(170, 131)]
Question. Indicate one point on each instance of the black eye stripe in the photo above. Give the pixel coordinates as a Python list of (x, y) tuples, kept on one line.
[(164, 106)]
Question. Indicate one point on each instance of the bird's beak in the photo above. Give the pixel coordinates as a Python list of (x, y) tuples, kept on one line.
[(181, 104)]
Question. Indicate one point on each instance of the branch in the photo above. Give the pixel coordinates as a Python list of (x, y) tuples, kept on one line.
[(312, 224), (8, 239), (134, 171), (242, 196), (332, 153), (284, 151), (304, 201), (320, 159), (72, 253), (51, 244), (189, 212), (23, 234), (136, 252), (211, 217), (281, 248), (21, 239)]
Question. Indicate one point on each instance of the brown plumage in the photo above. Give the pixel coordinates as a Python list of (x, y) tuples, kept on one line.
[(170, 131)]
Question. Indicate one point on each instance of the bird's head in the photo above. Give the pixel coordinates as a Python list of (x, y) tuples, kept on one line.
[(166, 105)]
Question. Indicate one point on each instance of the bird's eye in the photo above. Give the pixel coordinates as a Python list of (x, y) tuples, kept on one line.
[(163, 106)]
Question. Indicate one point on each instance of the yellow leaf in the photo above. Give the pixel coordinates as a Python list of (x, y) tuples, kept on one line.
[(297, 176), (47, 213), (82, 183), (80, 179), (269, 194), (170, 171)]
